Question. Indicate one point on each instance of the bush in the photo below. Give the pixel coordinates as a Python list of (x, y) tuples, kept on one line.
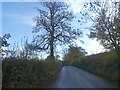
[(23, 73)]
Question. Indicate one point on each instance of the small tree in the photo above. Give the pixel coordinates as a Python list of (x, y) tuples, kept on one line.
[(53, 25)]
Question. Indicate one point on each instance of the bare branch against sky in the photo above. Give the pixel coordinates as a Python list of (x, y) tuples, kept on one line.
[(25, 24)]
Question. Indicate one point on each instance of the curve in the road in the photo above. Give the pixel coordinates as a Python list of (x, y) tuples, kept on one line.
[(72, 77)]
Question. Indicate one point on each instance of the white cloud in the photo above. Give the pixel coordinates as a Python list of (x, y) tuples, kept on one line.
[(93, 47), (75, 5)]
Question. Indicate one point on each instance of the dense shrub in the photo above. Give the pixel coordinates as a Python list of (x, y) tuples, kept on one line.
[(23, 73)]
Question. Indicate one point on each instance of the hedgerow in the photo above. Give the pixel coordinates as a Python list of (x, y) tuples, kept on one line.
[(105, 65), (23, 73)]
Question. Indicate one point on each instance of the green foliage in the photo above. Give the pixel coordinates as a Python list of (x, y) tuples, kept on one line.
[(106, 25), (73, 55), (103, 64), (23, 73)]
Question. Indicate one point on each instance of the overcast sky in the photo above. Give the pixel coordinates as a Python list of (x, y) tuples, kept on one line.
[(17, 19)]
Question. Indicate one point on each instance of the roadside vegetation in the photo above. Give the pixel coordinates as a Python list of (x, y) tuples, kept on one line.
[(22, 66), (33, 73), (105, 28), (104, 64)]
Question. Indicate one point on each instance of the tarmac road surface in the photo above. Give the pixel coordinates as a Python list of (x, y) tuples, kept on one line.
[(73, 77)]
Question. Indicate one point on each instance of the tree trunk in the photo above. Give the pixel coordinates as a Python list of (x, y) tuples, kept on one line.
[(51, 49), (52, 44), (52, 36)]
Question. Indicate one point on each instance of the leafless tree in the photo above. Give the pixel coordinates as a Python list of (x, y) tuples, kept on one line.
[(53, 27)]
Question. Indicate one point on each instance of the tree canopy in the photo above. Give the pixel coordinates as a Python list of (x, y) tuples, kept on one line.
[(106, 23), (74, 52), (53, 27)]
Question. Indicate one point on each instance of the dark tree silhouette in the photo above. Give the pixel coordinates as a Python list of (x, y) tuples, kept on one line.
[(53, 27), (106, 21), (3, 40), (4, 43)]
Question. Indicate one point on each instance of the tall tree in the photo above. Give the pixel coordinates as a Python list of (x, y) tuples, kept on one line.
[(53, 27), (106, 23)]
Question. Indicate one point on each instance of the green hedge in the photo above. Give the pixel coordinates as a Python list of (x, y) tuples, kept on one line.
[(103, 64), (23, 73)]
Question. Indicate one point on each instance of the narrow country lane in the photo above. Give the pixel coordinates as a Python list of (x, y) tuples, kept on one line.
[(72, 77)]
